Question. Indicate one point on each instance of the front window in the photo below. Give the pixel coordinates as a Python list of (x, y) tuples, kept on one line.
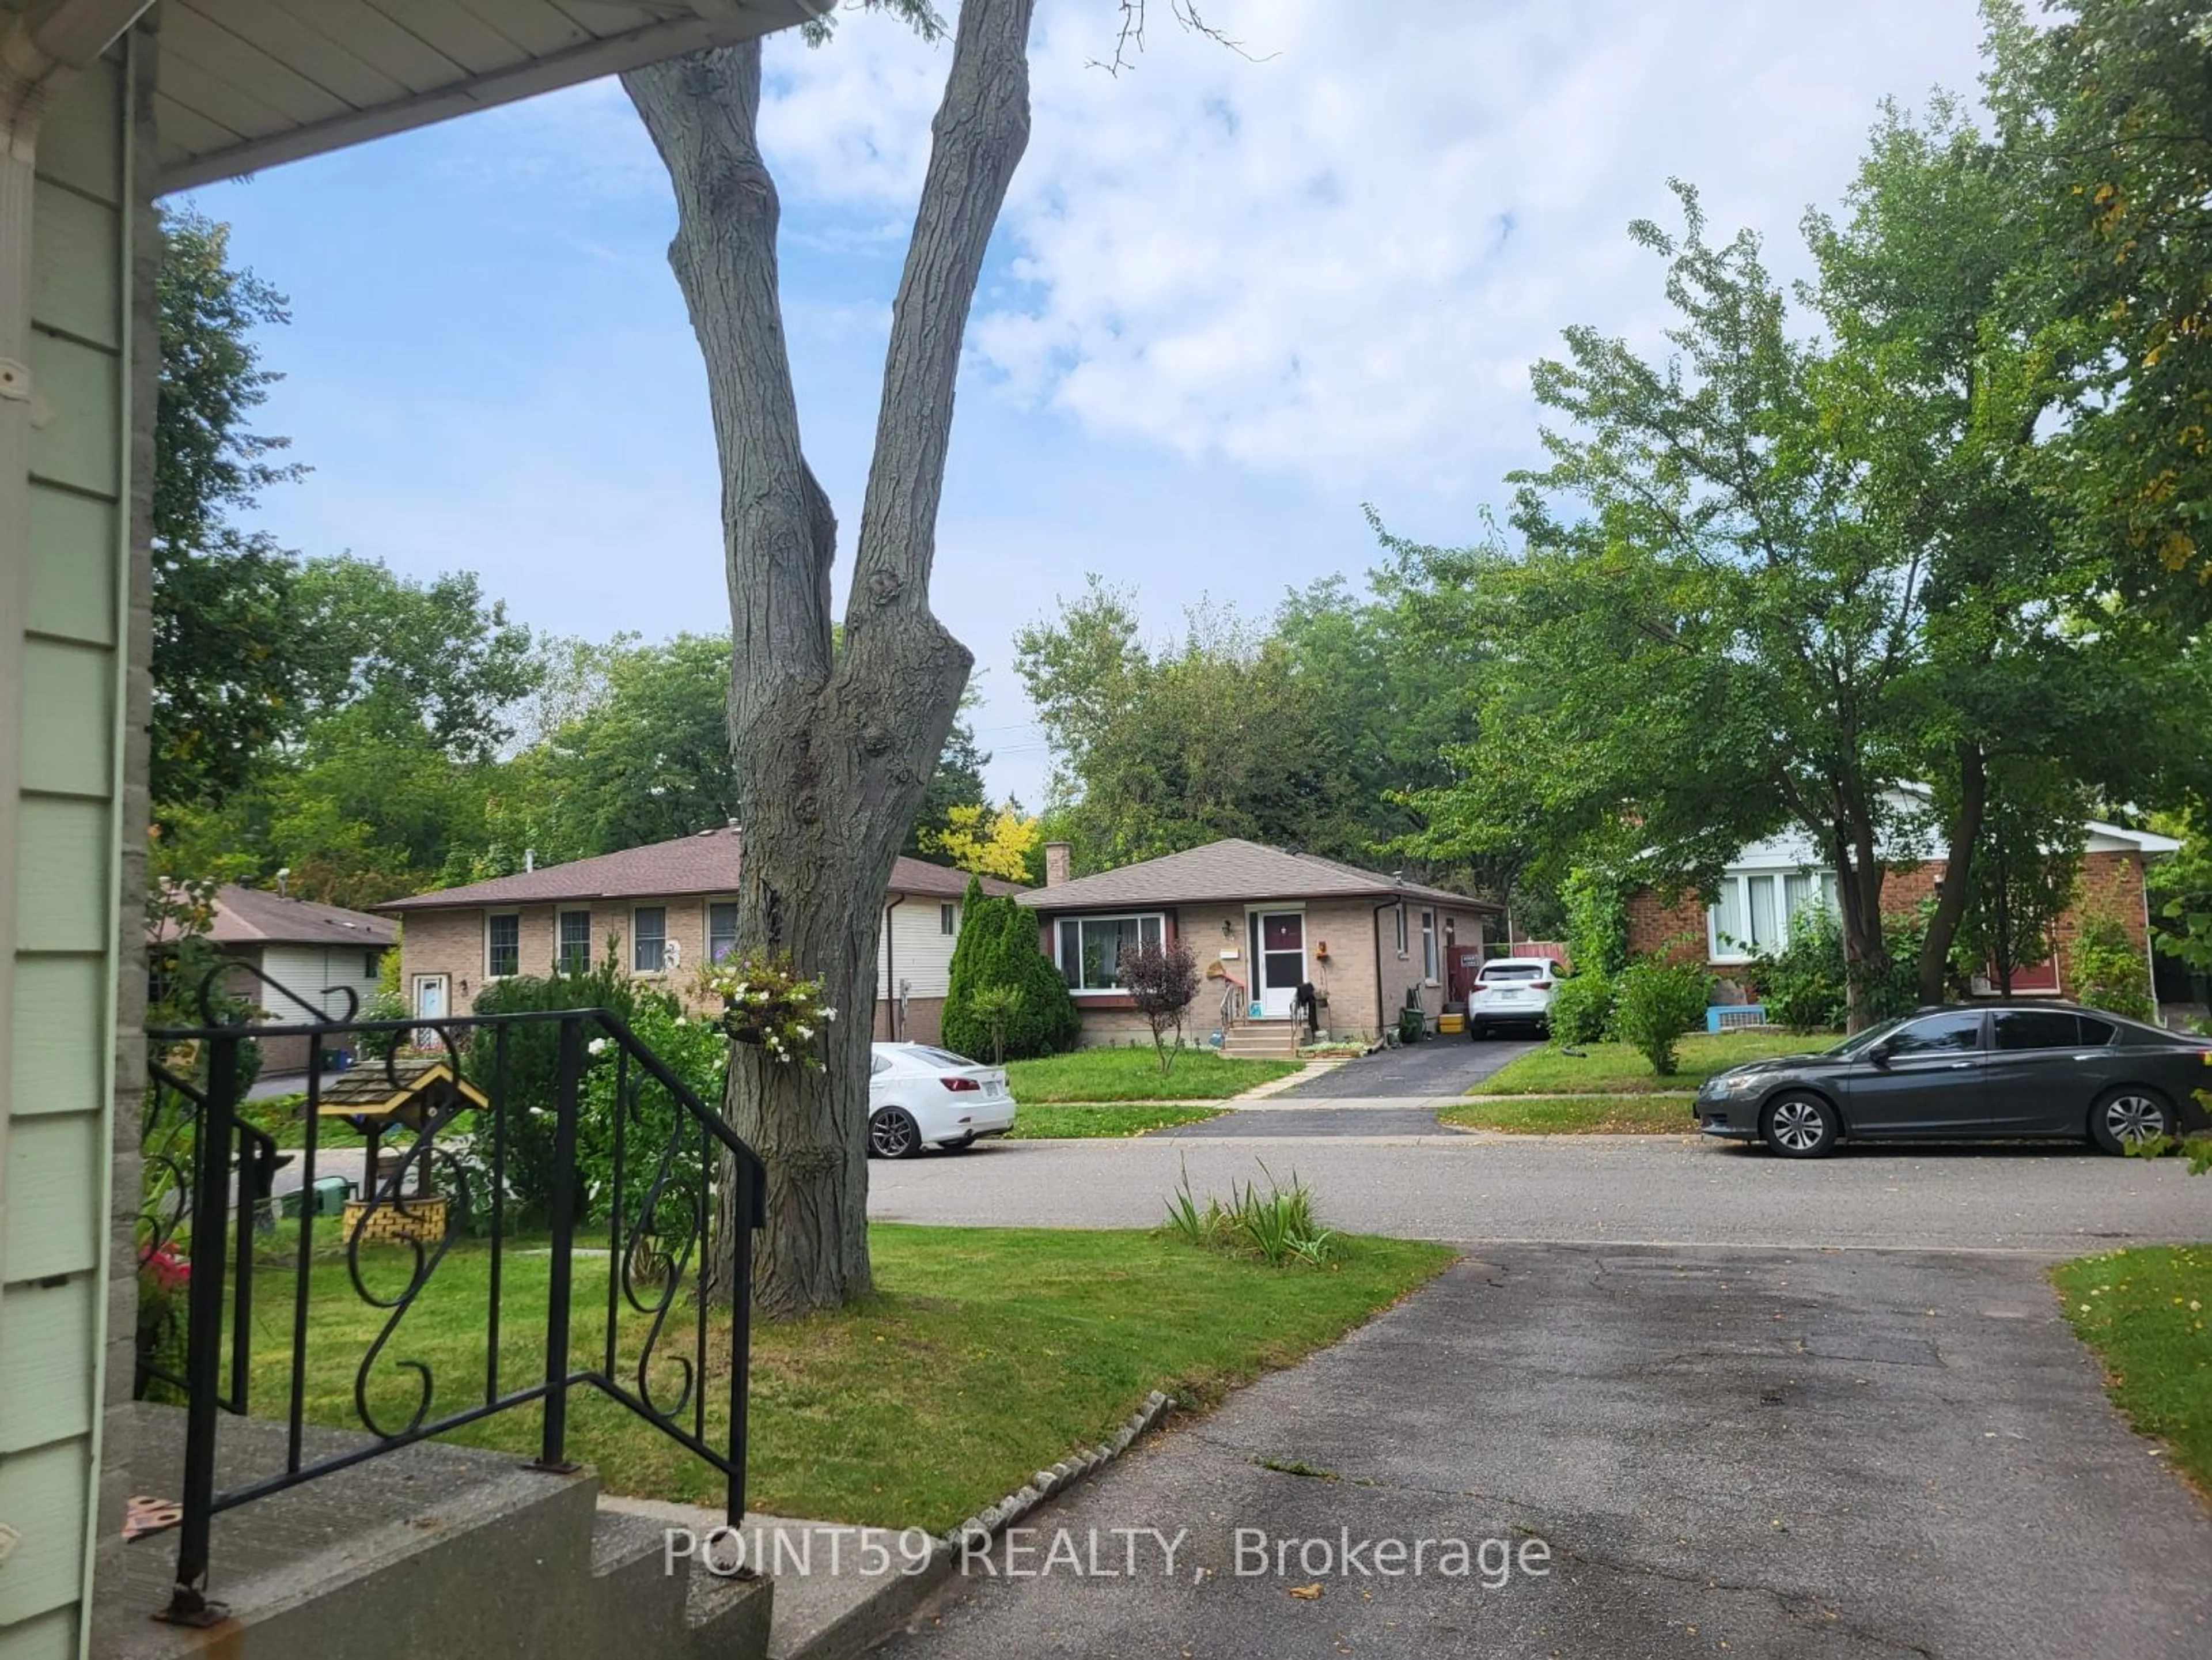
[(503, 947), (575, 946), (1429, 947), (1756, 909), (649, 938), (1401, 915), (948, 919), (1091, 947), (721, 931)]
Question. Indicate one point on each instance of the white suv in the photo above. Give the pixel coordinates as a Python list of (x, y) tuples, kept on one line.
[(1512, 991)]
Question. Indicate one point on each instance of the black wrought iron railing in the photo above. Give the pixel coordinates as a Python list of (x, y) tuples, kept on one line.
[(557, 1134)]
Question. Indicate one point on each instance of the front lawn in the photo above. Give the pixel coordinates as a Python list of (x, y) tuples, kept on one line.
[(1133, 1075), (1078, 1122), (983, 1354), (2144, 1313), (1617, 1069), (1577, 1115)]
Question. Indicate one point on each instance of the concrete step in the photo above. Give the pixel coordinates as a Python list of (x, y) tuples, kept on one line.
[(431, 1549), (1268, 1039)]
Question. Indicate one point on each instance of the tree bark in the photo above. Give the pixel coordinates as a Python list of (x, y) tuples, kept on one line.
[(1966, 835), (832, 747), (1859, 874)]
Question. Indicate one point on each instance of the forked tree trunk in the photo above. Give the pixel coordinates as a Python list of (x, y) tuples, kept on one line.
[(832, 750)]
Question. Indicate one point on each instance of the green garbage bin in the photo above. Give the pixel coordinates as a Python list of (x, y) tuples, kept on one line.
[(328, 1198)]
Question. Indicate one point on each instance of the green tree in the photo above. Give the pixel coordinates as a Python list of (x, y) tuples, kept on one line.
[(227, 677), (957, 785), (996, 951), (2107, 113), (2024, 875), (1218, 732)]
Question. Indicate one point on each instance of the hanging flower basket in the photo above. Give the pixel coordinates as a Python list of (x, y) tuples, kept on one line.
[(767, 1003)]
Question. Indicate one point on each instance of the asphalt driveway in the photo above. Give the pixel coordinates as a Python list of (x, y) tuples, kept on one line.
[(1394, 1093), (1439, 1067), (1745, 1452)]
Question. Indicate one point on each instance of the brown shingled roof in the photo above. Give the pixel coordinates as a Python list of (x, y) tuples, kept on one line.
[(705, 863), (253, 916), (1233, 869)]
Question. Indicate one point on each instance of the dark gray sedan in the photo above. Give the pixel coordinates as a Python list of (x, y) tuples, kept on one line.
[(2052, 1071)]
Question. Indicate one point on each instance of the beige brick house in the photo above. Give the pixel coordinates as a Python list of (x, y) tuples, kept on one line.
[(1772, 883), (661, 910), (1262, 921)]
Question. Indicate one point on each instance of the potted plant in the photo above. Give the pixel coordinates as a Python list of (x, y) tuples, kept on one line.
[(768, 1003)]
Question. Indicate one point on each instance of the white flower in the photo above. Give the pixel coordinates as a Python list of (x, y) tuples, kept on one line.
[(597, 1046), (806, 1031), (738, 992), (681, 1021), (829, 1014)]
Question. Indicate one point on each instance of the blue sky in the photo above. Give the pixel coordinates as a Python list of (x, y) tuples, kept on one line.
[(1232, 297)]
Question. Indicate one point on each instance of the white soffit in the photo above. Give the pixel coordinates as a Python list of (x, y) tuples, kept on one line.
[(246, 84)]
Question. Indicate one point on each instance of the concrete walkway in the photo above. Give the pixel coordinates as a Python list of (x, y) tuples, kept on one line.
[(1755, 1453)]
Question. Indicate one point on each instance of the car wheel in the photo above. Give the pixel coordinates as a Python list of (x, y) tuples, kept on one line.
[(1800, 1126), (2128, 1114), (1476, 1031), (892, 1133)]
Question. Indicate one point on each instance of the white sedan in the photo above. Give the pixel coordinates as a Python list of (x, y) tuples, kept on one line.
[(919, 1096)]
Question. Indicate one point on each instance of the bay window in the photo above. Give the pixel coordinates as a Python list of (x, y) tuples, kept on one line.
[(1089, 948)]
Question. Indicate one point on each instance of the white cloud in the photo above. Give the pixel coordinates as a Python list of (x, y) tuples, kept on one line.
[(1339, 260)]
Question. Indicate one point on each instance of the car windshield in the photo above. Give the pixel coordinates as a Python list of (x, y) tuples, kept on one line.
[(1859, 1043)]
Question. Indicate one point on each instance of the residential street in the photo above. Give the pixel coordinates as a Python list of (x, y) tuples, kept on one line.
[(1473, 1190), (1758, 1453)]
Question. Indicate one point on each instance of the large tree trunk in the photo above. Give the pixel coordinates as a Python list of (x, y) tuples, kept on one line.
[(1965, 836), (832, 750), (1859, 875)]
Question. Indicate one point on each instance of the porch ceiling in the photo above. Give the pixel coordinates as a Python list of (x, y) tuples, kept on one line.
[(246, 84)]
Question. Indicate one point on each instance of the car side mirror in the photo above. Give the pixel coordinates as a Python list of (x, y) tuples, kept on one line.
[(1881, 1052)]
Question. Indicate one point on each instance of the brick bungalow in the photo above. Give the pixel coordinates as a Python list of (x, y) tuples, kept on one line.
[(1366, 941), (1771, 881), (663, 910)]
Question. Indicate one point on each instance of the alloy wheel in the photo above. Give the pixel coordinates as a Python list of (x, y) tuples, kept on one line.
[(2133, 1118), (893, 1135), (1799, 1126)]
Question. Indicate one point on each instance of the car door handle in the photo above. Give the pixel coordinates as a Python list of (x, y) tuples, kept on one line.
[(1960, 1066)]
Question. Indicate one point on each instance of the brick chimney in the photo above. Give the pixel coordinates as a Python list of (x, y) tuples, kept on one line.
[(1056, 855)]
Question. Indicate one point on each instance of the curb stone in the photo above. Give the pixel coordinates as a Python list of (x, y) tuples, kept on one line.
[(987, 1524)]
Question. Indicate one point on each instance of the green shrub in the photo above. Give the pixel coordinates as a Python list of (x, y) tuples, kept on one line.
[(533, 1062), (1582, 1008), (1802, 986), (2108, 969), (697, 1052), (1658, 1003), (998, 948), (1597, 903)]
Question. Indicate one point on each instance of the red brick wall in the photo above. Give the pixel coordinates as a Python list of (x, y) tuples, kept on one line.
[(2110, 882)]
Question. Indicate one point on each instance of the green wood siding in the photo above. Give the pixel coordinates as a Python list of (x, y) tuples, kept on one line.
[(55, 1039), (46, 1338), (60, 1030), (47, 1493)]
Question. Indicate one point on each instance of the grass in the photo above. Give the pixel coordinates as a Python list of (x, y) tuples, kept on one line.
[(281, 1117), (983, 1354), (1133, 1075), (1078, 1122), (2144, 1312), (1617, 1069), (1576, 1115)]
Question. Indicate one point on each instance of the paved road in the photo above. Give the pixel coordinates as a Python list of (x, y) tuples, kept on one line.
[(1475, 1189), (1765, 1454), (1396, 1092)]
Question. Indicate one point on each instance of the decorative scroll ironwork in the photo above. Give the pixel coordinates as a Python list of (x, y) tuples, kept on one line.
[(462, 1101)]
